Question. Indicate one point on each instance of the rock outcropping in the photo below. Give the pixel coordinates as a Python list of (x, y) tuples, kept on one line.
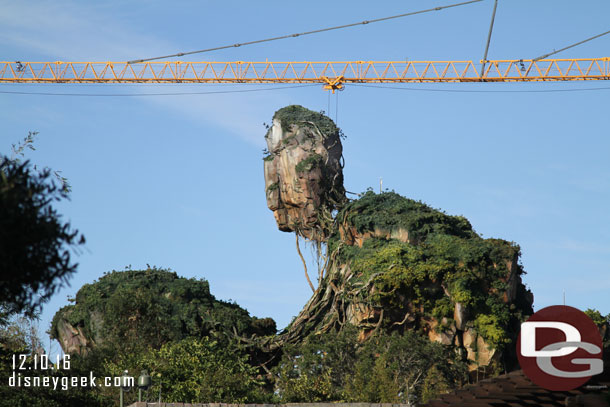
[(393, 264), (72, 339), (147, 308), (303, 171), (397, 264)]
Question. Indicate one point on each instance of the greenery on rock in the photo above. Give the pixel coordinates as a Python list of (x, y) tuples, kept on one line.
[(295, 114), (308, 171), (444, 262), (387, 211), (193, 344), (148, 308), (311, 162), (403, 267), (413, 266)]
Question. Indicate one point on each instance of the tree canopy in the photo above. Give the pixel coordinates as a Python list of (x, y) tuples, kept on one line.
[(394, 368), (35, 243)]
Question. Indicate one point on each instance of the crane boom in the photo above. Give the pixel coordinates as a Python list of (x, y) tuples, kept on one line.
[(333, 75)]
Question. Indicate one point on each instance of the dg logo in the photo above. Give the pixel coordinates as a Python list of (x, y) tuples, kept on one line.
[(560, 348)]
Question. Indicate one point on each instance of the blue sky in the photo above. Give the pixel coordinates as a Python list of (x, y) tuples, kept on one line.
[(177, 181)]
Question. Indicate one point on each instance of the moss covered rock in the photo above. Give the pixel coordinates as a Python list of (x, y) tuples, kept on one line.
[(397, 264), (147, 308), (303, 171)]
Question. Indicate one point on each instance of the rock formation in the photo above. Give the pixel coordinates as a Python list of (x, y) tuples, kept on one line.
[(147, 308), (397, 264), (303, 171), (393, 264), (72, 339)]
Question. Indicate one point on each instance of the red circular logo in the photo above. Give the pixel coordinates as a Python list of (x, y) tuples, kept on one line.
[(560, 348)]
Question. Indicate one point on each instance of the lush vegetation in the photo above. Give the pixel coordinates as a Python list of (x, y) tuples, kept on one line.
[(197, 349), (140, 309), (295, 114), (35, 243), (443, 262), (413, 261), (35, 261), (196, 370), (387, 211), (384, 369), (597, 317), (19, 336), (193, 345), (603, 323)]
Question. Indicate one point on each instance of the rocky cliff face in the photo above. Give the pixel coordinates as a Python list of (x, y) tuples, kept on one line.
[(303, 171), (397, 264), (72, 339), (393, 264)]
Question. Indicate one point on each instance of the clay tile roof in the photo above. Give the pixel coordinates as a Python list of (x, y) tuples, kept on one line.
[(516, 390)]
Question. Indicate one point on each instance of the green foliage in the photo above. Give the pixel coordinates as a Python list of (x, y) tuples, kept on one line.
[(137, 309), (597, 317), (397, 267), (318, 368), (443, 255), (373, 381), (384, 369), (307, 387), (18, 336), (173, 327), (197, 371), (389, 211), (492, 327), (603, 323), (35, 243), (312, 161), (393, 368), (434, 385), (295, 114)]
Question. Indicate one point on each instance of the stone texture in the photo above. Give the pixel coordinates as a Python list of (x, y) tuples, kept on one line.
[(459, 315), (442, 333), (350, 236), (458, 332), (72, 339), (303, 173), (478, 351)]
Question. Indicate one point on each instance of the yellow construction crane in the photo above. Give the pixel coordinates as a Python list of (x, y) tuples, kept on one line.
[(332, 75)]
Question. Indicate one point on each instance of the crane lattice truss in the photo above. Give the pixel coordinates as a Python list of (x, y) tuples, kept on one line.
[(333, 75)]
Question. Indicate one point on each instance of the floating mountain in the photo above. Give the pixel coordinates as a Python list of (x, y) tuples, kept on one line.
[(392, 263)]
